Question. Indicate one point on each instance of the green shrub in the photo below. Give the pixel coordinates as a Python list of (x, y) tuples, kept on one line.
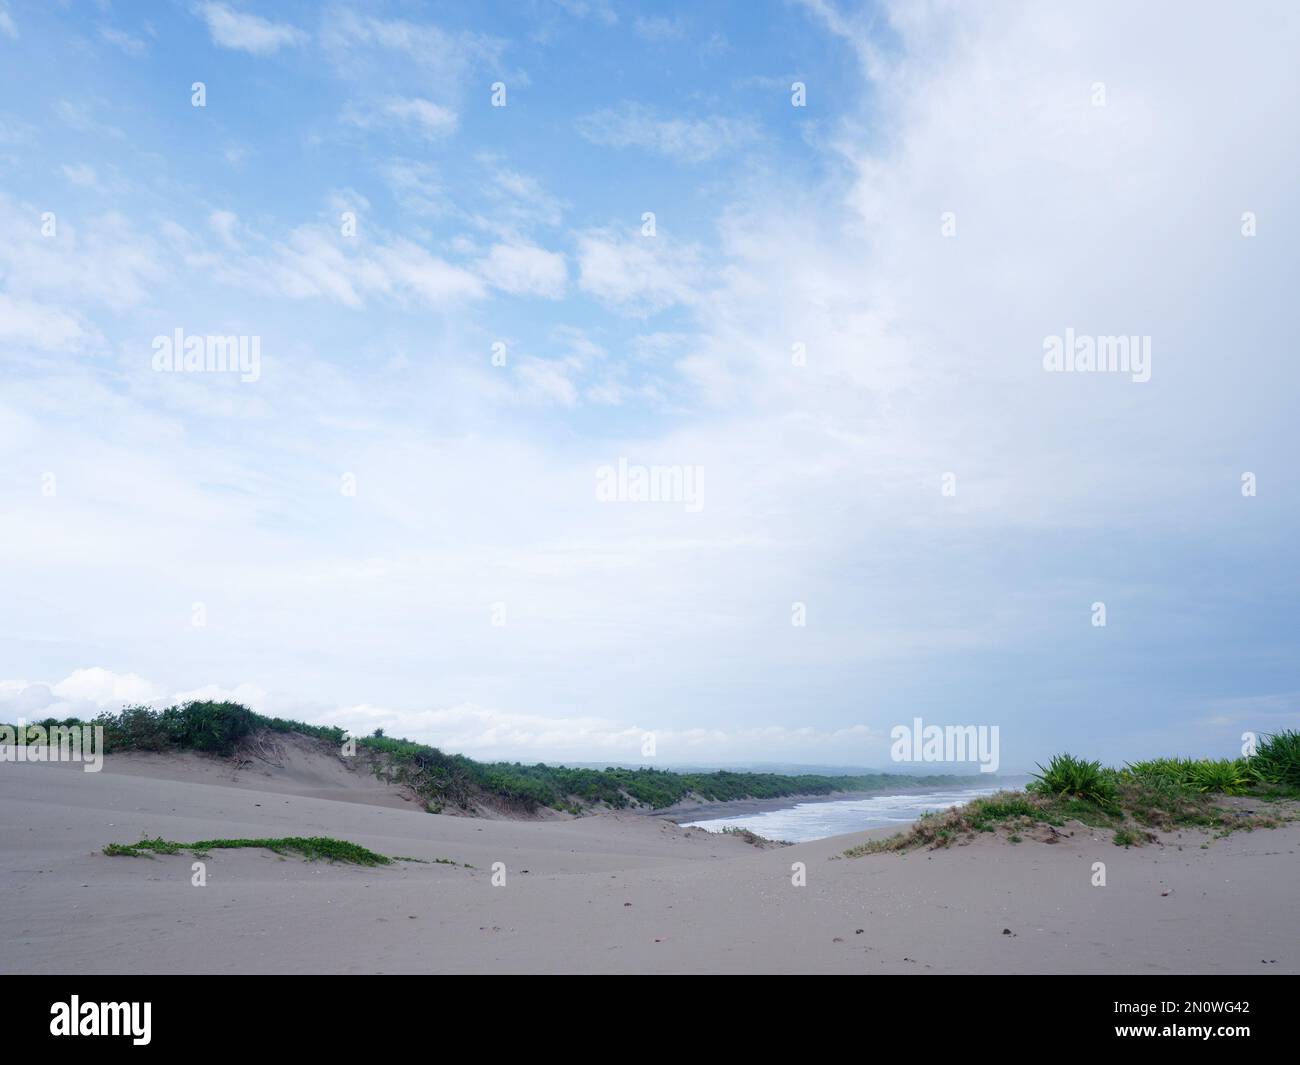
[(1277, 760), (1068, 776), (1173, 770), (1229, 776)]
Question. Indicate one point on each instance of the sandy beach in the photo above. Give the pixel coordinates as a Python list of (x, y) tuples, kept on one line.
[(602, 894)]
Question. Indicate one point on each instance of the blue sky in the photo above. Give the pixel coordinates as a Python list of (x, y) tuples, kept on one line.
[(955, 191)]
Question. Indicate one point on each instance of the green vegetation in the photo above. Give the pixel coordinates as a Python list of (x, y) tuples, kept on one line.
[(309, 847), (1066, 775), (1159, 793), (216, 728), (1277, 761), (453, 780), (1228, 776), (1134, 803), (1274, 769), (445, 781)]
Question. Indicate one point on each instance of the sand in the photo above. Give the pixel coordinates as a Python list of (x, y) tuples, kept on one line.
[(603, 894)]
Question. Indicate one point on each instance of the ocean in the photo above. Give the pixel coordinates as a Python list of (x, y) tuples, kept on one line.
[(817, 820)]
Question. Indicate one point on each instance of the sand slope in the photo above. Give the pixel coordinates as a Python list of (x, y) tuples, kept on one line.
[(600, 894)]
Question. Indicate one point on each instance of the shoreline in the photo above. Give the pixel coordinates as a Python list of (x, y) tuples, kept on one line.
[(709, 810), (622, 893)]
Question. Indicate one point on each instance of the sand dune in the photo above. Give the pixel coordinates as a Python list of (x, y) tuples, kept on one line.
[(613, 893)]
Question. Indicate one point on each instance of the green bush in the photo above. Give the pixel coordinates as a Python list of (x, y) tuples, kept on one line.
[(1067, 776), (212, 727), (1229, 776), (1277, 760)]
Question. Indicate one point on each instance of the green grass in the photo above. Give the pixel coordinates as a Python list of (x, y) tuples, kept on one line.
[(310, 847), (1277, 761), (1225, 776), (1069, 777), (1133, 803), (1274, 769)]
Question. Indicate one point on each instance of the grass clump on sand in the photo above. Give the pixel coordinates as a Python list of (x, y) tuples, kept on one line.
[(753, 838), (1134, 803), (310, 847)]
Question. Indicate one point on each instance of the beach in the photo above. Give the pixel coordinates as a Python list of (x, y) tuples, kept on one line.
[(611, 893)]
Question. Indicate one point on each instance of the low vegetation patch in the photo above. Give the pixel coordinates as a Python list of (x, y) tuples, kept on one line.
[(1134, 803), (753, 838), (310, 847)]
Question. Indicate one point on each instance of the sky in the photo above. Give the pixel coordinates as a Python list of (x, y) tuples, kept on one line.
[(804, 259)]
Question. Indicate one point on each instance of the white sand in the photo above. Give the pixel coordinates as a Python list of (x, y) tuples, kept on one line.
[(699, 903)]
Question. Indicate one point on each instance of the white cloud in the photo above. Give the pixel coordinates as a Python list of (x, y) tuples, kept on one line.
[(314, 262), (419, 117), (223, 224), (691, 140), (657, 28), (425, 69), (478, 731), (80, 117), (415, 186), (102, 686), (640, 275), (84, 693), (488, 734), (431, 279), (424, 116), (7, 26), (82, 174), (106, 259), (27, 324), (520, 201), (131, 45), (247, 33), (525, 269), (600, 10), (548, 380)]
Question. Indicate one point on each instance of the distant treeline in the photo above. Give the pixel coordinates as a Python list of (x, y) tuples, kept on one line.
[(455, 779), (443, 779)]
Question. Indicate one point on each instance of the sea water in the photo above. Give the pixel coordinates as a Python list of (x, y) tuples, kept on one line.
[(817, 820)]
